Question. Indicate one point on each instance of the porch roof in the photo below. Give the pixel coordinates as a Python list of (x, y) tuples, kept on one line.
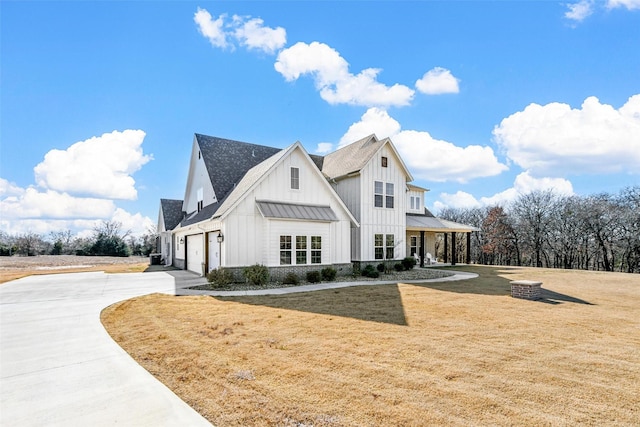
[(417, 222)]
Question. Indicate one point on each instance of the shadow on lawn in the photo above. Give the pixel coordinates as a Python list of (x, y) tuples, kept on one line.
[(489, 282), (381, 303)]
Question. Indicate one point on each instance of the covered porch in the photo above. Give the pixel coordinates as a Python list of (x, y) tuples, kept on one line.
[(421, 238)]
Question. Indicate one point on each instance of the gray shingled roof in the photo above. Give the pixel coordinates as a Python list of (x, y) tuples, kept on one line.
[(227, 161), (351, 158), (282, 210), (171, 212)]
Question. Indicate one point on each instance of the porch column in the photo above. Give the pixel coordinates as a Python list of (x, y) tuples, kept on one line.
[(446, 249), (453, 248), (468, 248), (421, 252)]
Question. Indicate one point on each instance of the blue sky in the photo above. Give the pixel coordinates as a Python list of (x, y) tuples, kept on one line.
[(484, 100)]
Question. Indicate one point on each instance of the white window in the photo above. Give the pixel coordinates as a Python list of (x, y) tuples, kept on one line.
[(301, 249), (285, 250), (200, 198), (389, 196), (418, 203), (295, 178), (316, 249), (390, 246), (378, 194), (413, 247), (413, 202), (378, 243)]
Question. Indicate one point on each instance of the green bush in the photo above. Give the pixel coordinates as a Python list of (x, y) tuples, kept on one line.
[(370, 271), (398, 267), (220, 277), (409, 262), (256, 275), (328, 274), (313, 276), (380, 267), (290, 279)]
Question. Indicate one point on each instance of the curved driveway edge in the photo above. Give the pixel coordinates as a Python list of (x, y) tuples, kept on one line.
[(458, 275), (58, 365)]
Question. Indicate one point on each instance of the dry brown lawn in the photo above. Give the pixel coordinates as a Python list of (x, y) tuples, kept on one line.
[(458, 353), (15, 267)]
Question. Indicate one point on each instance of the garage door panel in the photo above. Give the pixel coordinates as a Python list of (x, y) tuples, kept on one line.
[(195, 253)]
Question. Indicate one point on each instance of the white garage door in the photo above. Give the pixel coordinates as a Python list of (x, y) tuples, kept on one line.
[(195, 253)]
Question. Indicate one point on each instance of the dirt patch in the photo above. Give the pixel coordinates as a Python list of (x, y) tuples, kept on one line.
[(15, 267), (449, 353)]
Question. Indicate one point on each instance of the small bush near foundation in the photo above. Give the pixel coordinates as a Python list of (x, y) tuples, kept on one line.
[(256, 275), (409, 262), (370, 271), (290, 279), (220, 277), (398, 267), (328, 274), (313, 276), (380, 267)]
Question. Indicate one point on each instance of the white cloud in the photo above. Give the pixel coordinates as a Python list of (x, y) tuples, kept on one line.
[(324, 148), (579, 11), (212, 29), (245, 31), (52, 204), (255, 35), (136, 223), (629, 4), (426, 157), (438, 81), (374, 120), (524, 183), (9, 188), (100, 166), (555, 139), (333, 79)]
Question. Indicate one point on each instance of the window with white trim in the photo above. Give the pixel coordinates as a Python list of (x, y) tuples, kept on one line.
[(295, 178), (378, 189), (301, 249), (418, 202), (390, 246), (378, 243), (413, 245), (285, 250), (316, 249), (389, 195)]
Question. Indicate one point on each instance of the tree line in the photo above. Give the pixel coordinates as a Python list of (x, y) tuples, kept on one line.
[(545, 229), (107, 239)]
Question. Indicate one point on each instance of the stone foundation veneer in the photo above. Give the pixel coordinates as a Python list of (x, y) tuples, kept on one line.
[(526, 289), (278, 273)]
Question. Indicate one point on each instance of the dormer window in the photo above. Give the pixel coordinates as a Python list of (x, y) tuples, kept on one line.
[(295, 178), (384, 162)]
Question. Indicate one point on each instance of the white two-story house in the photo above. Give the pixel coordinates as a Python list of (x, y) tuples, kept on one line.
[(248, 204)]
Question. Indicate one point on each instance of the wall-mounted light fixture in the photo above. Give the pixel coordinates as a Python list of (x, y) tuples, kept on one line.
[(181, 240), (220, 238)]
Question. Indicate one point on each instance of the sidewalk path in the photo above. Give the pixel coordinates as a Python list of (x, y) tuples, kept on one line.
[(58, 365)]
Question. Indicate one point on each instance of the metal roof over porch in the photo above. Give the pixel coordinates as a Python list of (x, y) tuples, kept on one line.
[(417, 222)]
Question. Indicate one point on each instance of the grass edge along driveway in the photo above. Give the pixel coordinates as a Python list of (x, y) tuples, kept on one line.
[(454, 353)]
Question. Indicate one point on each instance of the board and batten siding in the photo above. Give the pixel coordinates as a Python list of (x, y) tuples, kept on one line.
[(199, 179), (251, 239), (382, 220)]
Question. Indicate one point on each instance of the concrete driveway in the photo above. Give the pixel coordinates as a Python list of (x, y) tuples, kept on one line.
[(59, 367)]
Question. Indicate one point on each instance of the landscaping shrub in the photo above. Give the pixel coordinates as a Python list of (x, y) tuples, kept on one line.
[(256, 275), (370, 271), (313, 276), (328, 274), (290, 279), (398, 267), (220, 277), (380, 267), (409, 262)]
